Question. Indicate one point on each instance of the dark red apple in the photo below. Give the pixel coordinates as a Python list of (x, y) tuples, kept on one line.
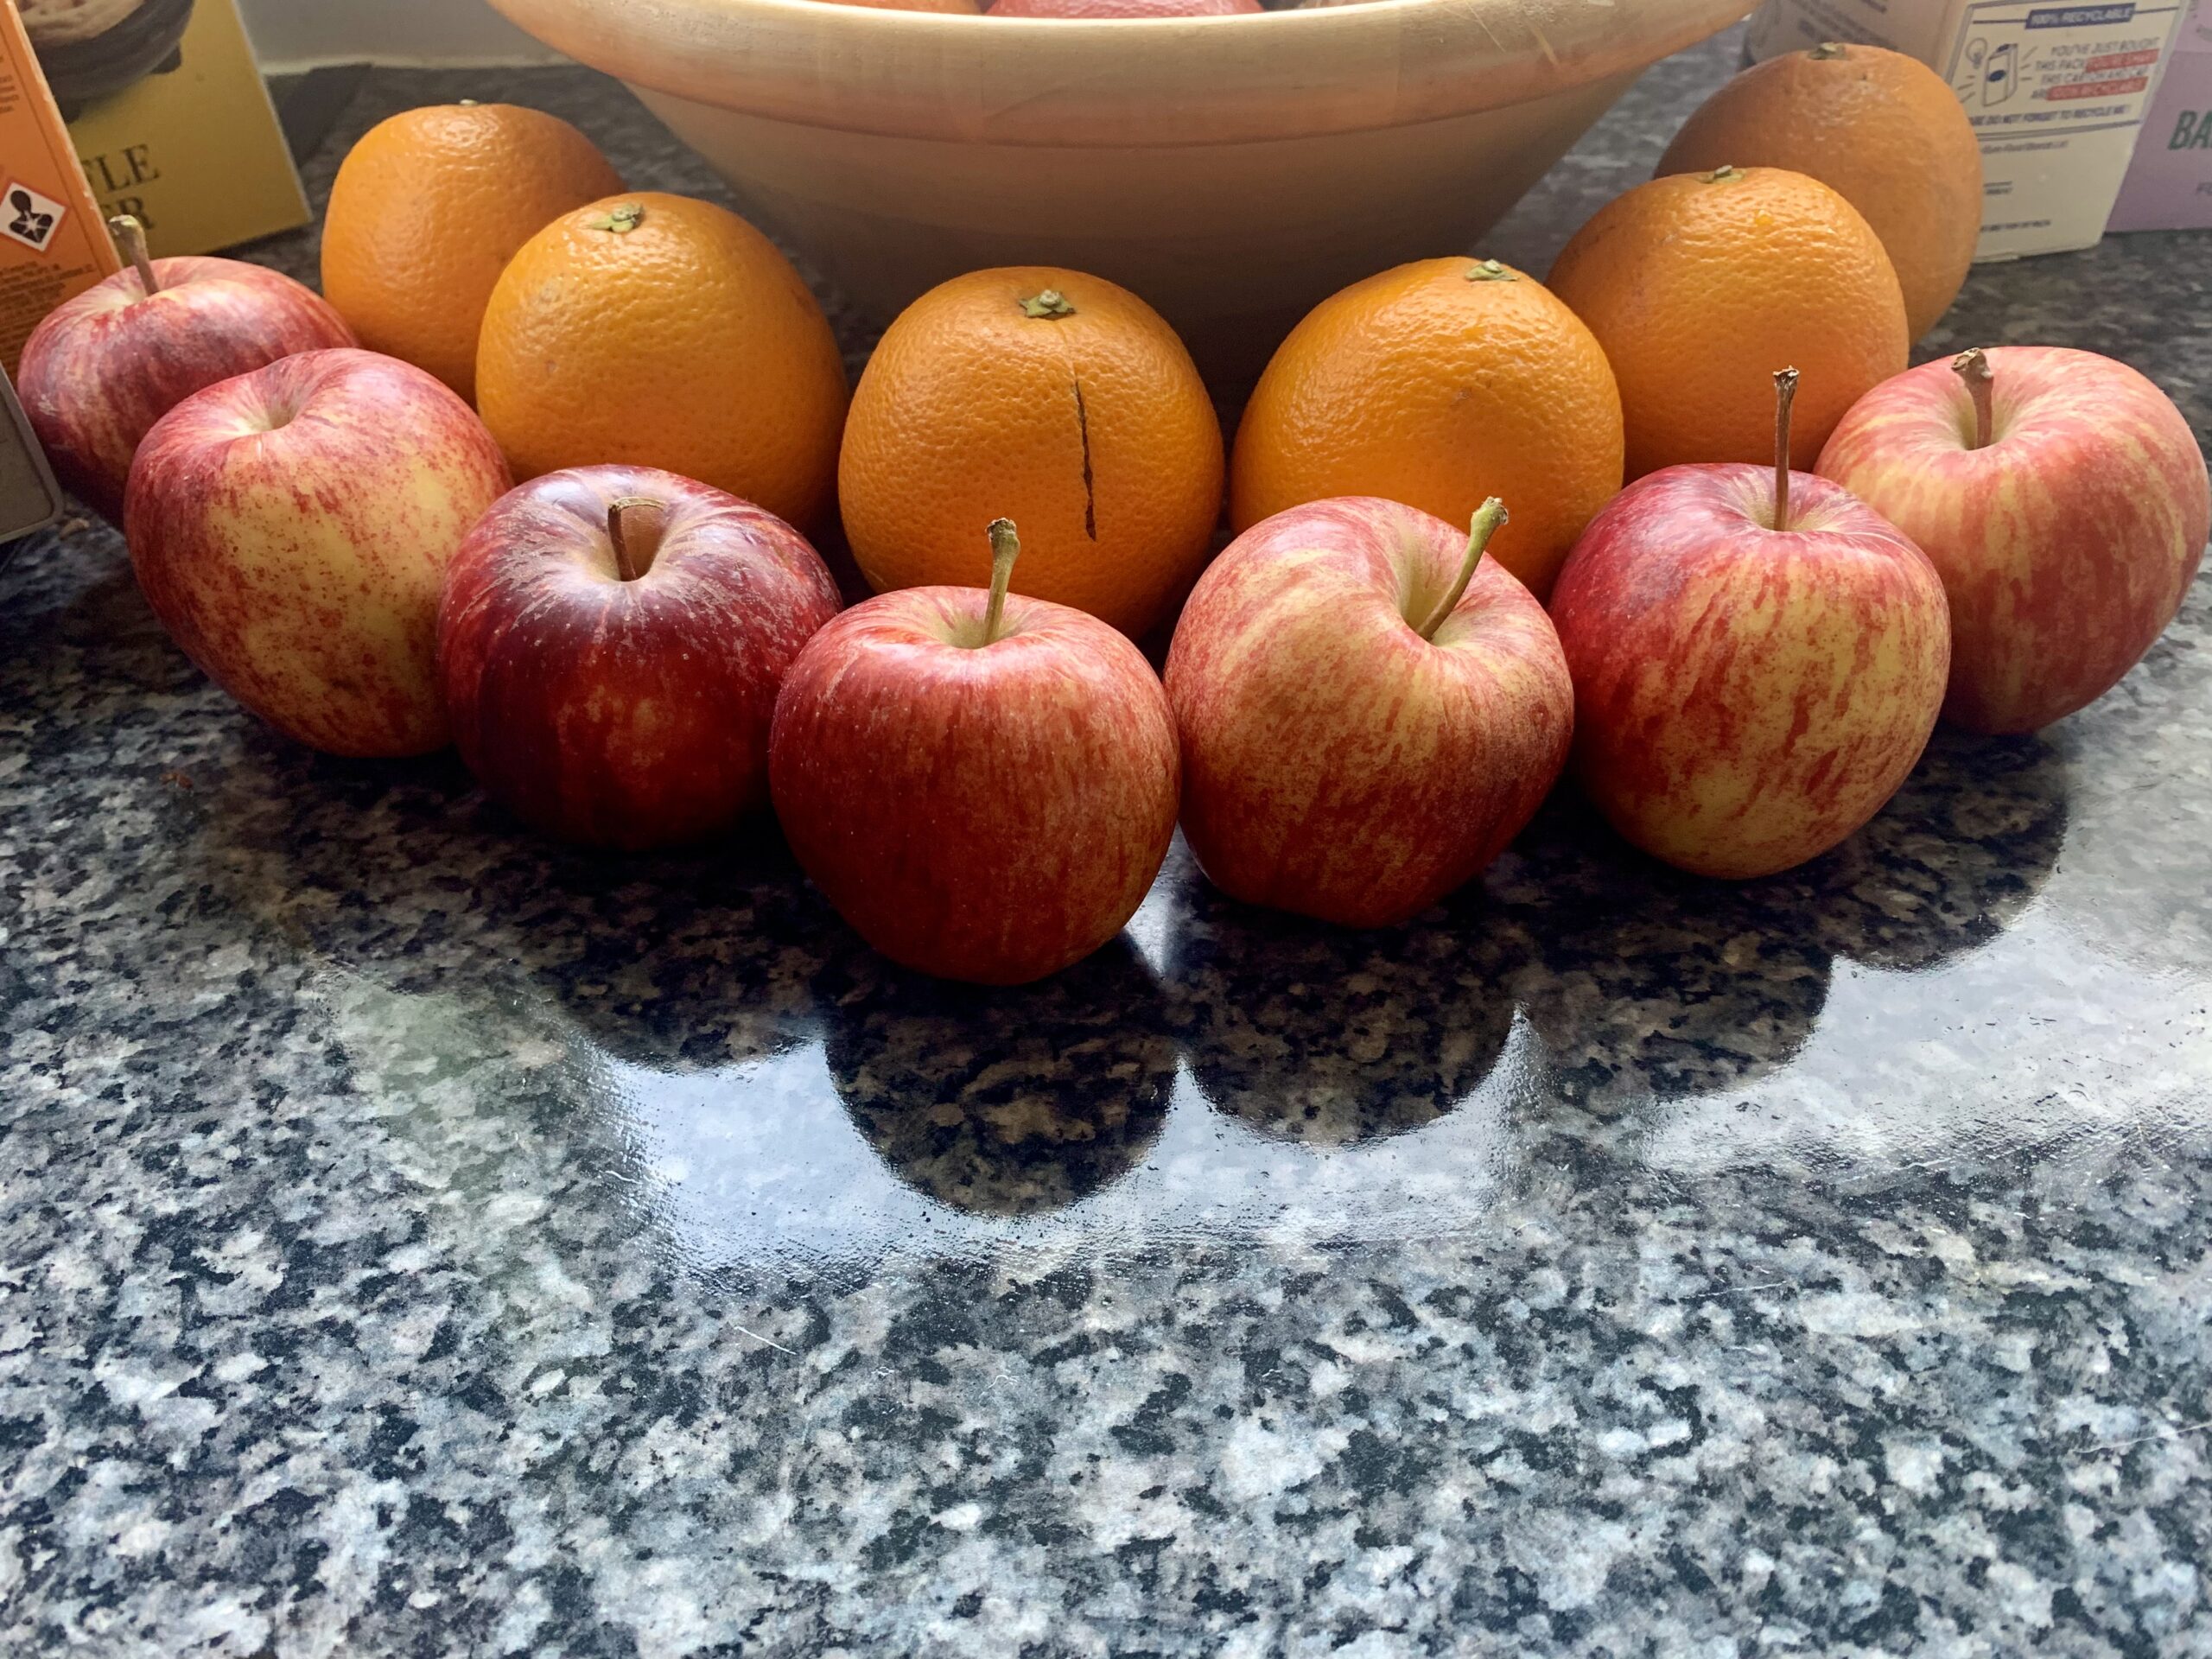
[(1759, 657), (610, 645), (983, 784), (1369, 710), (2062, 497), (103, 367)]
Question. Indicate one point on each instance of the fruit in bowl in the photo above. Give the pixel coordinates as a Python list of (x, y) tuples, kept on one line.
[(1052, 397), (291, 528), (982, 783), (1882, 131), (1758, 658), (2063, 500), (655, 330), (1369, 710), (611, 640), (1697, 285), (1437, 383), (103, 367), (427, 210)]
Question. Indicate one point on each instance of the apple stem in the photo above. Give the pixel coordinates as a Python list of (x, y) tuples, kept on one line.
[(1005, 546), (633, 525), (1487, 518), (131, 237), (1972, 366), (1785, 392)]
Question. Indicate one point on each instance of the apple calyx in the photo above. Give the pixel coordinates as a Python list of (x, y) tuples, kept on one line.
[(620, 220), (1487, 520), (634, 524), (1972, 366), (1006, 547), (1048, 304), (130, 239), (1785, 393), (1489, 271)]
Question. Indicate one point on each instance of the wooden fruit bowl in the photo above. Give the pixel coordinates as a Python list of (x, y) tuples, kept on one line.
[(1232, 170)]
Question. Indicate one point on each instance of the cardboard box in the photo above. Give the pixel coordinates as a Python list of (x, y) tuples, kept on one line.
[(170, 118), (54, 244), (2056, 92), (2169, 184)]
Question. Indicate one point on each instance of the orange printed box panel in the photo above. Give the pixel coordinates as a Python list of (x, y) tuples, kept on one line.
[(53, 240)]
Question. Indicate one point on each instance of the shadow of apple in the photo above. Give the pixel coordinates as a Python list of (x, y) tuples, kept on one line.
[(1001, 1102), (1326, 1035)]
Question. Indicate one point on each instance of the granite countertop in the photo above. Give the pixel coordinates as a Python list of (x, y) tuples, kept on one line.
[(415, 1239)]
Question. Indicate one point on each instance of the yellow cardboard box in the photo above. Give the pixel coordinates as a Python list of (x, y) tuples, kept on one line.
[(169, 116)]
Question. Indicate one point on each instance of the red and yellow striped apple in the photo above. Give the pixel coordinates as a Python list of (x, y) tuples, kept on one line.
[(1369, 710), (983, 784), (291, 528), (2062, 497), (1759, 657), (105, 366), (611, 642)]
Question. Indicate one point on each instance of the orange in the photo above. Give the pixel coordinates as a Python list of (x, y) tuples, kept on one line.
[(1882, 131), (427, 209), (658, 331), (1436, 384), (1701, 285), (1053, 398)]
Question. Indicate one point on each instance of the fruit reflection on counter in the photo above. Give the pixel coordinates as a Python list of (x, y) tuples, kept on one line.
[(1758, 658), (984, 785), (1368, 709), (297, 553), (2062, 497), (1365, 697), (1439, 384), (610, 645), (103, 367), (1056, 399)]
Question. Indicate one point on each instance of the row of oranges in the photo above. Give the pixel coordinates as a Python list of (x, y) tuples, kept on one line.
[(495, 247)]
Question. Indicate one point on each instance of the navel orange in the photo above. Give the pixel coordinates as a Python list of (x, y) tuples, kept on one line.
[(1050, 397), (427, 210), (1882, 131), (1436, 384), (659, 331), (1701, 285)]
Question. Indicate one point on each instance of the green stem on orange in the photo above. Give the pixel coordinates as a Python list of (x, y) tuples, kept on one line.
[(131, 237), (634, 525), (1006, 547), (1826, 50), (1785, 392), (1487, 518), (1489, 271), (1972, 366), (1048, 304)]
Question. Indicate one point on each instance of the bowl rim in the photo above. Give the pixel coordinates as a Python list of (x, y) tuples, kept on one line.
[(1122, 83)]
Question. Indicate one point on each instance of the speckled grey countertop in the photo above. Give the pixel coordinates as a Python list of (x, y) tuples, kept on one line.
[(417, 1240)]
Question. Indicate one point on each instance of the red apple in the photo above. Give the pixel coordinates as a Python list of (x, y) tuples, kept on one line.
[(1759, 657), (984, 786), (291, 528), (1369, 710), (610, 644), (103, 367), (2063, 499), (1123, 8)]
